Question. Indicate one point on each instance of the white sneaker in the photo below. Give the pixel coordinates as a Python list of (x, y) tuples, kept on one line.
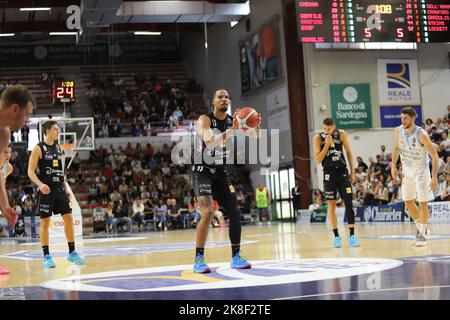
[(421, 241)]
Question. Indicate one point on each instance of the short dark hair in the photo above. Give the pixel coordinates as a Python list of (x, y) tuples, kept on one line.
[(16, 94), (409, 111), (328, 121), (48, 125)]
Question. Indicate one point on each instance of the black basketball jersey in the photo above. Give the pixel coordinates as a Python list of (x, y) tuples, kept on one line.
[(216, 157), (50, 166), (335, 158)]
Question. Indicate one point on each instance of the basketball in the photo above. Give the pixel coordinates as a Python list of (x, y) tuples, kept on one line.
[(247, 119)]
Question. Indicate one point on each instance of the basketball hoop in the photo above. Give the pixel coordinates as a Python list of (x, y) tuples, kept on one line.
[(68, 149)]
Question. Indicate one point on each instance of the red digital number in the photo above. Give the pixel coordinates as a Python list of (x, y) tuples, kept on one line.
[(367, 33), (69, 91), (59, 93), (400, 33)]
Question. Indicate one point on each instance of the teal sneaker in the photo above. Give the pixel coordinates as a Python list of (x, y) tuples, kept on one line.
[(337, 242), (48, 261), (239, 262), (75, 258), (200, 265), (353, 241)]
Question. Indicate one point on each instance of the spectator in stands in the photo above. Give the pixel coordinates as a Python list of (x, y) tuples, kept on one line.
[(194, 211), (381, 192), (445, 141), (161, 215), (434, 136), (218, 219), (317, 200), (138, 212), (174, 213), (441, 191), (173, 121), (121, 217)]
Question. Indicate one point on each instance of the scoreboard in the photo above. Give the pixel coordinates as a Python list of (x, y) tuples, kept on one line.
[(63, 92), (420, 21)]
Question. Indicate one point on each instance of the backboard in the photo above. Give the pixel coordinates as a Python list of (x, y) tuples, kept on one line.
[(78, 131)]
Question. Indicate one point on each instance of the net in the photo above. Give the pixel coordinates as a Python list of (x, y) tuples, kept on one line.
[(68, 149)]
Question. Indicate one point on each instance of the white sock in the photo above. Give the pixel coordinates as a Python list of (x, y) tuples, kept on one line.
[(423, 229), (417, 222)]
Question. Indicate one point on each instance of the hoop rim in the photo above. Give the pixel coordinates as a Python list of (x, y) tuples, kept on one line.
[(67, 146)]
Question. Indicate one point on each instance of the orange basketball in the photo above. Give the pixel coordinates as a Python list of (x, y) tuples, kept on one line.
[(247, 119)]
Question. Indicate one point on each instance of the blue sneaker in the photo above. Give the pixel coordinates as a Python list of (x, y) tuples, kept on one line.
[(337, 242), (239, 262), (353, 241), (200, 265), (75, 258), (48, 261)]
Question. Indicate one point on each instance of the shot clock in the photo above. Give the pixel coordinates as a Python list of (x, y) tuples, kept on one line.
[(63, 92)]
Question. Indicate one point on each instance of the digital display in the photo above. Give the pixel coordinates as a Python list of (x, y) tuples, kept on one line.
[(350, 21), (63, 92)]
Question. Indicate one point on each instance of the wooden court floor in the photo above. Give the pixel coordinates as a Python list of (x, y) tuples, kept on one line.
[(264, 242)]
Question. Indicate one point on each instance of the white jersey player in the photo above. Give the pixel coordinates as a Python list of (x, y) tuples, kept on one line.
[(415, 148)]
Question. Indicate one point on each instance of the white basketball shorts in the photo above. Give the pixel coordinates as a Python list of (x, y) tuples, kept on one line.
[(416, 184)]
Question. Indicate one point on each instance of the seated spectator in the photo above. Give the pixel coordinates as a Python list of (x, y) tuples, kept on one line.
[(161, 215), (218, 219), (173, 121), (194, 212), (138, 213), (361, 163), (441, 191), (121, 217), (174, 213)]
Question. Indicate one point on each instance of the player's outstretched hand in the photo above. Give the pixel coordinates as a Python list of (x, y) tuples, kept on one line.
[(11, 216), (394, 174), (45, 189), (434, 184)]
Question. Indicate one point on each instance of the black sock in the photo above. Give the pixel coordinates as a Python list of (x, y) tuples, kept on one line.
[(352, 231), (235, 249), (199, 251), (71, 247), (46, 250), (336, 233)]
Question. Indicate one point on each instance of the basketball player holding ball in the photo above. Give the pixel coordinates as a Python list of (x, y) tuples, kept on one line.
[(329, 151), (210, 174)]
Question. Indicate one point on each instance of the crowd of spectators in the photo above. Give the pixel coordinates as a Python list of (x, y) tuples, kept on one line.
[(142, 183), (374, 184), (122, 110)]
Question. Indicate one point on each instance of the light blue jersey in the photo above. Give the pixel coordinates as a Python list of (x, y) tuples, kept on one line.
[(412, 152)]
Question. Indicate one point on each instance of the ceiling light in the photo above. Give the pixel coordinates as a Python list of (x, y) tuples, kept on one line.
[(36, 9), (147, 33), (63, 33)]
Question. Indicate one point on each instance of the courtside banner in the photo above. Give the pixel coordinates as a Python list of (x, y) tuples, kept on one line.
[(439, 212), (388, 213)]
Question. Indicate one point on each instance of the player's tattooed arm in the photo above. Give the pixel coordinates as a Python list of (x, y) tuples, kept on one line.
[(210, 139), (320, 154)]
